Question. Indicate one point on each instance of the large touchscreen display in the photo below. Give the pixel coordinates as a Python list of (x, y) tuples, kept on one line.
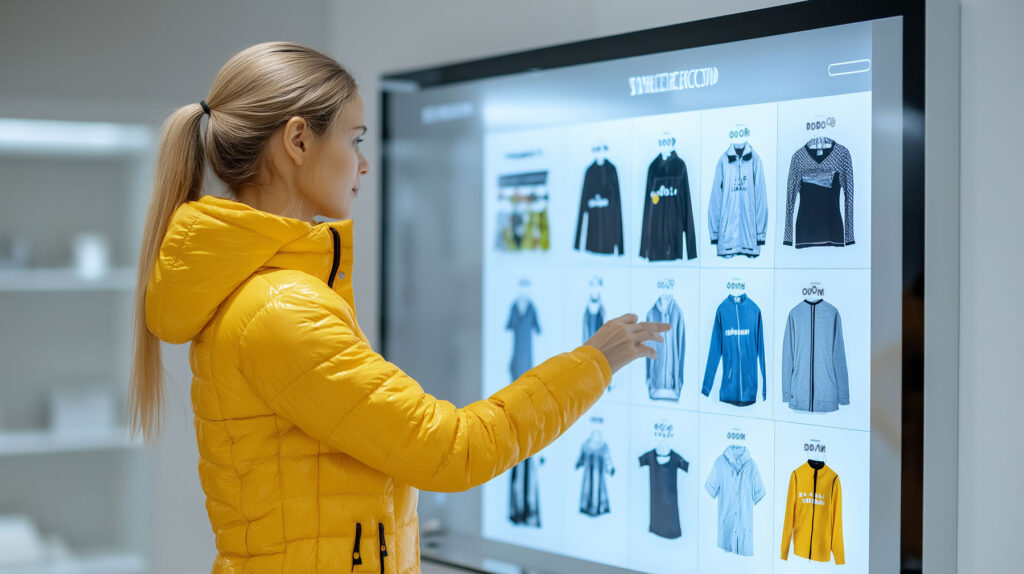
[(725, 190)]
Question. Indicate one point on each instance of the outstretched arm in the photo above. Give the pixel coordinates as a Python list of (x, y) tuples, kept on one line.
[(311, 368)]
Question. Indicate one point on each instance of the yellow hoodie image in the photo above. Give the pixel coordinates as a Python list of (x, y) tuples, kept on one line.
[(814, 514), (312, 446)]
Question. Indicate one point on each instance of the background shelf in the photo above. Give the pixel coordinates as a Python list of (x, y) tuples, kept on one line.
[(96, 563), (15, 443), (65, 279)]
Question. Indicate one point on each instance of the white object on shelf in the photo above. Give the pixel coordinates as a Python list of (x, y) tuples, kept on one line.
[(81, 409), (86, 563), (65, 279), (91, 255), (43, 441), (15, 250), (20, 542)]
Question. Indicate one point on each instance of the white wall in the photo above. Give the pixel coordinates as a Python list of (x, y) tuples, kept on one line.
[(992, 270)]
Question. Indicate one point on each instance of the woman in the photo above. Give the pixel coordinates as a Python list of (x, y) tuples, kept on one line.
[(312, 447)]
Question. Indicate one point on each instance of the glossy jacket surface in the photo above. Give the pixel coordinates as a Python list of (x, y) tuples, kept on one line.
[(306, 435)]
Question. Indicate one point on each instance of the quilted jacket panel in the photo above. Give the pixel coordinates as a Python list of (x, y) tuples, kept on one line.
[(313, 447)]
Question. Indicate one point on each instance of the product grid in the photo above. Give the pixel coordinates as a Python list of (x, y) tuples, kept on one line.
[(747, 230)]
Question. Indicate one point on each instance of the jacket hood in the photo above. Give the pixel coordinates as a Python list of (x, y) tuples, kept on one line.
[(733, 154), (737, 456), (213, 245)]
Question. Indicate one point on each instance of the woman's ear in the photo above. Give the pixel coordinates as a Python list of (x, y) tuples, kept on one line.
[(296, 139)]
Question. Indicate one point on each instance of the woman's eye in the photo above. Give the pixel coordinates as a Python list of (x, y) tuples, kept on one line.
[(358, 141)]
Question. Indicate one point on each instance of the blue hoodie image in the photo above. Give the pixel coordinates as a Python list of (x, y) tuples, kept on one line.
[(737, 341)]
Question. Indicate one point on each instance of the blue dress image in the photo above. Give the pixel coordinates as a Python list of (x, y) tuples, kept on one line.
[(592, 320), (524, 497), (523, 324)]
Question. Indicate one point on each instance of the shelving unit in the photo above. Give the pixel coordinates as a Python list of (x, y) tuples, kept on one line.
[(45, 442), (90, 490), (88, 563), (65, 279)]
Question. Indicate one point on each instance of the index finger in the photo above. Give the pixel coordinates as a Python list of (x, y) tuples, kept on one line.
[(652, 326), (628, 318)]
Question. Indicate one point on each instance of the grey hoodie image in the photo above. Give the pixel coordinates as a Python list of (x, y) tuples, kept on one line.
[(814, 375), (665, 374), (738, 211)]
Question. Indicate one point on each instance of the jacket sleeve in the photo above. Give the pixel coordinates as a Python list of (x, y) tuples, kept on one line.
[(312, 369), (587, 183), (714, 356), (713, 484), (691, 230), (760, 202), (715, 203), (615, 204), (848, 196), (787, 522), (760, 357), (837, 523), (609, 466), (792, 188), (788, 340), (645, 231), (839, 362), (757, 491), (680, 343)]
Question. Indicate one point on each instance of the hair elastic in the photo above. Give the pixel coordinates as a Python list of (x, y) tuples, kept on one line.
[(206, 108)]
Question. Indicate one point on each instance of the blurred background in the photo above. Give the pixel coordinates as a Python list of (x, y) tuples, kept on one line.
[(84, 87)]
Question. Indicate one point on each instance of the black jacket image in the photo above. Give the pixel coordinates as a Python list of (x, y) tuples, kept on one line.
[(668, 212), (600, 202)]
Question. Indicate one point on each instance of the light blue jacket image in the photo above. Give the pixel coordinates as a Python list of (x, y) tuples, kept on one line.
[(736, 482), (737, 341), (738, 211), (814, 374)]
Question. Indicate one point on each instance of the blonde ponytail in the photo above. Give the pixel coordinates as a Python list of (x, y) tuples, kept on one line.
[(179, 178), (256, 91)]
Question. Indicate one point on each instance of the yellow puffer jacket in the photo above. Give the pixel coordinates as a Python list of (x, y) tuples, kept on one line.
[(312, 447)]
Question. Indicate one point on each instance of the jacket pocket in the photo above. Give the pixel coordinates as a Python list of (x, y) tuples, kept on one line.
[(827, 394)]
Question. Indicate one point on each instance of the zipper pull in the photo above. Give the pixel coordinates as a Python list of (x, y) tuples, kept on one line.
[(356, 558), (383, 546)]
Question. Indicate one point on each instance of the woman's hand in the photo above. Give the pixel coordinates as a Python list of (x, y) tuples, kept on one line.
[(622, 340)]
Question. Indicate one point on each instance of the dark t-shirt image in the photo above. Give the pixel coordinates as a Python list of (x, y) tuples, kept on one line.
[(664, 492)]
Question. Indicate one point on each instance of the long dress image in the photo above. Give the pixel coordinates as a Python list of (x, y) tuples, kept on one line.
[(524, 324), (524, 499), (596, 461)]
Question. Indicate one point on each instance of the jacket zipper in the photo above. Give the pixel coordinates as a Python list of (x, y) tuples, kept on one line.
[(356, 557), (337, 256), (813, 308), (814, 502), (739, 349), (383, 545)]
